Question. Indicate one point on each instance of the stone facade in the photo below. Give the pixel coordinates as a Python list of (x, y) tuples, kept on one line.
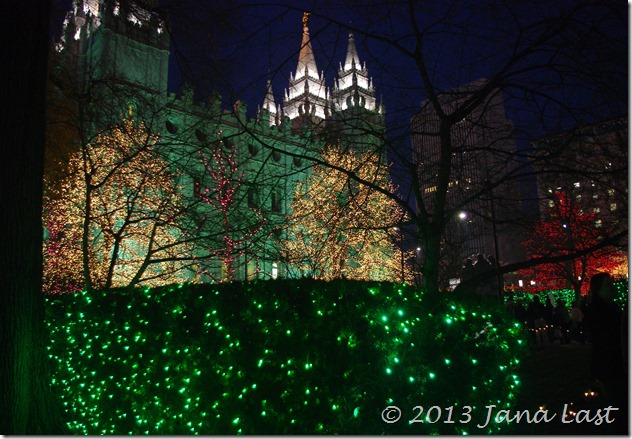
[(118, 55)]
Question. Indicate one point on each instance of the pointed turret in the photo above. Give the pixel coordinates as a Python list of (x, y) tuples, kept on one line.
[(354, 86), (306, 61), (270, 105), (306, 98), (352, 54), (357, 120)]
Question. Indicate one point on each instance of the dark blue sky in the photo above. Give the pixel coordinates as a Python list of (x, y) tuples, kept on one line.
[(234, 48)]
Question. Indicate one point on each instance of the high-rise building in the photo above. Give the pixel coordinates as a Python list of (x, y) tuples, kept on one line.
[(482, 150), (589, 165), (116, 54)]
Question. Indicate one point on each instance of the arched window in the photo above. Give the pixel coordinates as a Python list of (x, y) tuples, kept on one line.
[(201, 136), (253, 198), (277, 200), (171, 127)]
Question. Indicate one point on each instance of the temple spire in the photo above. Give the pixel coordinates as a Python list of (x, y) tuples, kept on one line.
[(306, 97), (352, 54), (306, 61), (270, 105), (268, 102), (354, 87)]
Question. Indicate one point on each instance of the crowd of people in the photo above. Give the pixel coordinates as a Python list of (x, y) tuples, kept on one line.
[(480, 268), (552, 321), (596, 320)]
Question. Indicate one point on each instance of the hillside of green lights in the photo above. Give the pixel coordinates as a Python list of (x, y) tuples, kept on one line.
[(279, 357)]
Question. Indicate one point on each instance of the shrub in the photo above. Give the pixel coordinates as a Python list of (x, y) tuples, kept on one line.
[(280, 357)]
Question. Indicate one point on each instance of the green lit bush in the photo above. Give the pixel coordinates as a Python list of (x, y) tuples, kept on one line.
[(568, 295), (279, 357)]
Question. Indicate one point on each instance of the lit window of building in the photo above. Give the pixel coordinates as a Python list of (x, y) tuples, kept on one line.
[(275, 270)]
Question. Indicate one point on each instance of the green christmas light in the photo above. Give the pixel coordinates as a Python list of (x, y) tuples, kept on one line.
[(252, 359)]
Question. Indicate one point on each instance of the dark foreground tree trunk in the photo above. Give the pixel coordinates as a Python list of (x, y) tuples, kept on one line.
[(432, 247), (26, 402)]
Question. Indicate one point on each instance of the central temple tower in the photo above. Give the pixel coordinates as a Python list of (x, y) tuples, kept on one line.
[(350, 114), (306, 99)]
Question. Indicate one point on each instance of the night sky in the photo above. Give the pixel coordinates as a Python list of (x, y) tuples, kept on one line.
[(236, 48)]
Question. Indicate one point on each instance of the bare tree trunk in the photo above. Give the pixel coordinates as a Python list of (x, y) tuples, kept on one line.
[(26, 402), (85, 236), (432, 245)]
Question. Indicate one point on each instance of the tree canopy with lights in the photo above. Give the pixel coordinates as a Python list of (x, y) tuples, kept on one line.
[(566, 230), (340, 227), (112, 223), (238, 220)]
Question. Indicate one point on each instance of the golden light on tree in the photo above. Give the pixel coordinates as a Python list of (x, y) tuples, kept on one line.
[(345, 227), (113, 222)]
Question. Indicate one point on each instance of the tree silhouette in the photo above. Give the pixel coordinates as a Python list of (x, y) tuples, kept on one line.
[(26, 400)]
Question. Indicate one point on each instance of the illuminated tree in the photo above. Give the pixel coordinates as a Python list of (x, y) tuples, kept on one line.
[(238, 221), (115, 215), (566, 230), (342, 228)]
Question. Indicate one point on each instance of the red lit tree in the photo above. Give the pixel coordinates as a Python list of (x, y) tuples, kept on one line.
[(233, 231), (567, 229)]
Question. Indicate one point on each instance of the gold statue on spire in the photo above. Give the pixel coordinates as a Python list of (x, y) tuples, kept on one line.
[(305, 17)]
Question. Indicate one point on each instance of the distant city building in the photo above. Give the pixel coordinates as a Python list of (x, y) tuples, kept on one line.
[(483, 151), (117, 55), (589, 164)]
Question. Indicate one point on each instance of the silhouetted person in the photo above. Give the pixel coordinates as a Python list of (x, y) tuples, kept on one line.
[(468, 269), (535, 320), (608, 332), (576, 322), (482, 267), (561, 321), (496, 282), (467, 273)]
